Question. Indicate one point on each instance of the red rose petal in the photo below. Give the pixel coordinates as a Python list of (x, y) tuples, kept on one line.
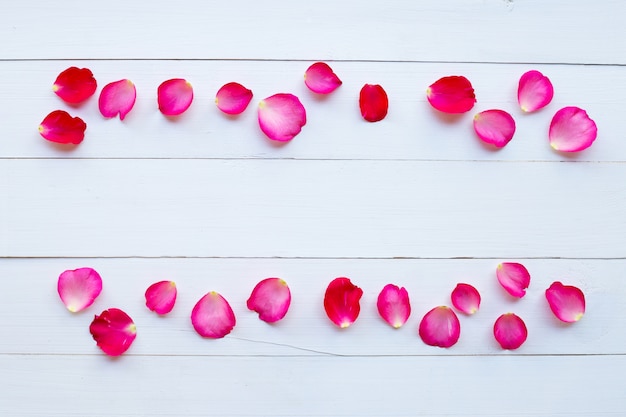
[(495, 127), (510, 331), (465, 298), (60, 127), (281, 116), (514, 278), (161, 296), (174, 96), (233, 98), (393, 305), (117, 98), (114, 331), (572, 130), (270, 298), (212, 316), (440, 327), (79, 288), (321, 79), (341, 302), (75, 85), (534, 92), (373, 102), (453, 94), (566, 302)]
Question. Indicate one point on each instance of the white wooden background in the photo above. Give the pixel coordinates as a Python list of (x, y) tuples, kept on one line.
[(414, 200)]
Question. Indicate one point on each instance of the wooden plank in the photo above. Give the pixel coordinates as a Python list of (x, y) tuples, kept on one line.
[(334, 130), (38, 323), (285, 208), (432, 30)]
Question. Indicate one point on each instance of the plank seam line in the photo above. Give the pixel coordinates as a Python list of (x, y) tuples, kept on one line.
[(355, 258)]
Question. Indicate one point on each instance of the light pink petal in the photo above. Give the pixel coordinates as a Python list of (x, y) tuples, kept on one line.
[(233, 98), (440, 327), (114, 331), (161, 296), (394, 305), (465, 298), (281, 116), (510, 331), (534, 92), (321, 79), (342, 302), (453, 94), (60, 127), (212, 316), (566, 302), (271, 299), (495, 127), (571, 130), (514, 278), (117, 98), (174, 96), (79, 288)]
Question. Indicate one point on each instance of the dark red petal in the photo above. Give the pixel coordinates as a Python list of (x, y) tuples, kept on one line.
[(373, 102), (60, 127), (453, 94), (114, 331), (341, 302), (75, 85)]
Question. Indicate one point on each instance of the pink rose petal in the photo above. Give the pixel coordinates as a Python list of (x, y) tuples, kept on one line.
[(60, 127), (321, 79), (514, 278), (465, 298), (117, 98), (495, 127), (233, 98), (281, 116), (271, 299), (161, 296), (342, 302), (174, 96), (510, 331), (534, 92), (75, 85), (571, 130), (79, 288), (393, 305), (566, 302), (453, 94), (373, 102), (440, 327), (114, 331), (212, 316)]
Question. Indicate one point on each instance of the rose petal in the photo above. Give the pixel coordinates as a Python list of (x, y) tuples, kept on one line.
[(465, 298), (161, 296), (373, 102), (271, 299), (79, 288), (393, 305), (510, 331), (321, 79), (534, 92), (233, 98), (341, 302), (514, 278), (114, 331), (495, 127), (453, 94), (281, 116), (75, 85), (174, 96), (212, 316), (571, 130), (440, 327), (566, 302), (117, 98), (60, 127)]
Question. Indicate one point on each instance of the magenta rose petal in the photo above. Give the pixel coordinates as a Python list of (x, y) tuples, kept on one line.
[(373, 102), (321, 79), (572, 130), (60, 127), (79, 288), (514, 278), (270, 298), (440, 327), (495, 127), (453, 94), (342, 302), (510, 331), (534, 92), (114, 331), (75, 85), (117, 98), (393, 305), (281, 116), (174, 96), (161, 297), (566, 302), (465, 298), (233, 98), (212, 316)]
